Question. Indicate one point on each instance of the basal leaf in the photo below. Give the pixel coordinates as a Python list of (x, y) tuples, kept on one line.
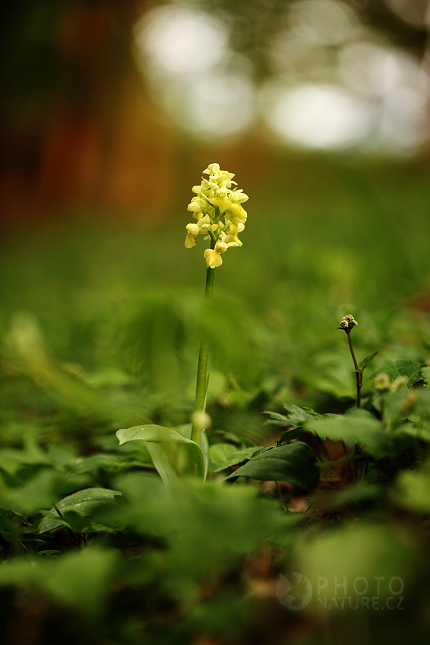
[(162, 463), (185, 456)]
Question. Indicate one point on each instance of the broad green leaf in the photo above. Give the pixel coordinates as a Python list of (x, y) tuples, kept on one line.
[(357, 427), (349, 427), (84, 502), (398, 368), (78, 523), (185, 456), (162, 463), (185, 430), (294, 463), (419, 430)]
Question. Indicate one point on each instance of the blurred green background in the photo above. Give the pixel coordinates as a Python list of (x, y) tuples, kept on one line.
[(110, 113)]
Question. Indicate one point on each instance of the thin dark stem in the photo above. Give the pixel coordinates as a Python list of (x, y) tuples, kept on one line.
[(366, 465), (359, 379), (283, 500), (74, 537), (323, 447), (358, 375), (349, 466)]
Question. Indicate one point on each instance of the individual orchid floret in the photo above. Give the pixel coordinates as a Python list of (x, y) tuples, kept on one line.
[(217, 207), (347, 323), (232, 233), (213, 256), (193, 231)]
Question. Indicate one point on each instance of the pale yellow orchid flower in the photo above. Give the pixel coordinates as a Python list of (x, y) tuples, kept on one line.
[(217, 207)]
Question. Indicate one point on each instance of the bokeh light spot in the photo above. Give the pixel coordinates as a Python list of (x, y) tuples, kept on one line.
[(318, 116), (178, 40)]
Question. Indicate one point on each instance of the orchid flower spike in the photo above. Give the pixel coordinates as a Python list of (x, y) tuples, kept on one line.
[(217, 207)]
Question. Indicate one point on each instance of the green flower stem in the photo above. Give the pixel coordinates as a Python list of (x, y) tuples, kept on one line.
[(202, 368), (358, 375)]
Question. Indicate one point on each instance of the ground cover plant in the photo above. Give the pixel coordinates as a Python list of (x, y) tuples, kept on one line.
[(300, 514)]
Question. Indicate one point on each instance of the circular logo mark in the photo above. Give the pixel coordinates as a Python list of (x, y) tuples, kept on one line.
[(293, 591)]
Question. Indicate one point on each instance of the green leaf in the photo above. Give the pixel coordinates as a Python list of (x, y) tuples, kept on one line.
[(419, 430), (290, 435), (357, 427), (220, 452), (277, 419), (185, 456), (162, 464), (84, 502), (236, 457), (366, 362), (79, 524), (298, 414), (294, 463), (185, 430), (398, 368)]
